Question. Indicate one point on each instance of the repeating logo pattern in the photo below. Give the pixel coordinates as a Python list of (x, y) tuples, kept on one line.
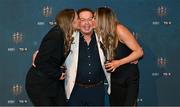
[(47, 11), (162, 11), (17, 89), (17, 37)]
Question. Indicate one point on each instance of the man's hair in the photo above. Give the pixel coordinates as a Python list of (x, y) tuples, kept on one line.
[(85, 9)]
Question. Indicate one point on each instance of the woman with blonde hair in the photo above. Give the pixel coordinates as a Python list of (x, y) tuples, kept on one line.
[(45, 80), (120, 49)]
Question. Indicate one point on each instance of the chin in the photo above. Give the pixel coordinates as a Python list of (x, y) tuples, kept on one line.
[(87, 31)]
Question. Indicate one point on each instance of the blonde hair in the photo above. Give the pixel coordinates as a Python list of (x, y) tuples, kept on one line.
[(106, 23), (65, 19)]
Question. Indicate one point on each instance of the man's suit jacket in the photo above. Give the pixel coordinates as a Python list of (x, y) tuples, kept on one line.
[(71, 64)]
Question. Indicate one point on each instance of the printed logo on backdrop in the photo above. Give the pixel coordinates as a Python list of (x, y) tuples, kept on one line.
[(52, 23), (162, 65), (16, 89), (17, 37), (162, 12), (40, 23), (47, 11), (162, 62)]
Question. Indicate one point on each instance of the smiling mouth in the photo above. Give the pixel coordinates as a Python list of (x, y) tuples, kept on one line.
[(86, 27)]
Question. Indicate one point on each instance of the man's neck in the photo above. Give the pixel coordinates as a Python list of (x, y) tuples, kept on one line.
[(87, 37)]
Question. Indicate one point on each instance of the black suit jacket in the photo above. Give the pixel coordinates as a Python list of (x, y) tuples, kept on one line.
[(44, 79), (51, 53)]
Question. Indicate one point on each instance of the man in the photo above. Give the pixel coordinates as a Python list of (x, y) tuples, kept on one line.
[(85, 75)]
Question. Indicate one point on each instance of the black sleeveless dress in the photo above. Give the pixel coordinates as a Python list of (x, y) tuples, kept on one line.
[(124, 80)]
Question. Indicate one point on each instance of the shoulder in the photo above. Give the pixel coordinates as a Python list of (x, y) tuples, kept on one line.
[(121, 28), (123, 33), (55, 33), (56, 28)]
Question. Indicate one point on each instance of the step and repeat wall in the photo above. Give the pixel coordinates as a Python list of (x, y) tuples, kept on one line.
[(154, 23)]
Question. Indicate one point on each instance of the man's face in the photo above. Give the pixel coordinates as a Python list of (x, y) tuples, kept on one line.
[(86, 22)]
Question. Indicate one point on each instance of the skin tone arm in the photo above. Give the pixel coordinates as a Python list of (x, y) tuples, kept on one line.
[(128, 39), (62, 77), (34, 57)]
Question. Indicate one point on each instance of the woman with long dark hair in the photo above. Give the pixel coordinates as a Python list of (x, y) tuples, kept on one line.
[(120, 49), (45, 80)]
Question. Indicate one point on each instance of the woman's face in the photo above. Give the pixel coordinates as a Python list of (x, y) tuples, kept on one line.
[(75, 22)]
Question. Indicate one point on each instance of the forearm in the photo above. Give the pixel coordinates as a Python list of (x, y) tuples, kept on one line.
[(135, 55)]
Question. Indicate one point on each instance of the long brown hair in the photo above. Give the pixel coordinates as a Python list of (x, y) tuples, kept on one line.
[(65, 19), (106, 24)]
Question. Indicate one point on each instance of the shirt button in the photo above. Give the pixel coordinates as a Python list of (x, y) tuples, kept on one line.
[(89, 56), (89, 72), (88, 48), (89, 80), (89, 64)]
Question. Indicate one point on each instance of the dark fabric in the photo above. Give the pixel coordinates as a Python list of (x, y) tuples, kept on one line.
[(43, 90), (89, 64), (124, 81), (51, 53), (88, 74), (87, 96), (42, 83)]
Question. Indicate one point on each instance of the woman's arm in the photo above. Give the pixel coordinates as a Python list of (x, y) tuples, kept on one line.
[(128, 39), (34, 57)]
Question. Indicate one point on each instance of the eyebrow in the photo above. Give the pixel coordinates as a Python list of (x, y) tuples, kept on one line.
[(84, 18)]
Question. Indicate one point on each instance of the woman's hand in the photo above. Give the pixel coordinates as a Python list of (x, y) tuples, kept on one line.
[(62, 76), (112, 65), (134, 62)]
